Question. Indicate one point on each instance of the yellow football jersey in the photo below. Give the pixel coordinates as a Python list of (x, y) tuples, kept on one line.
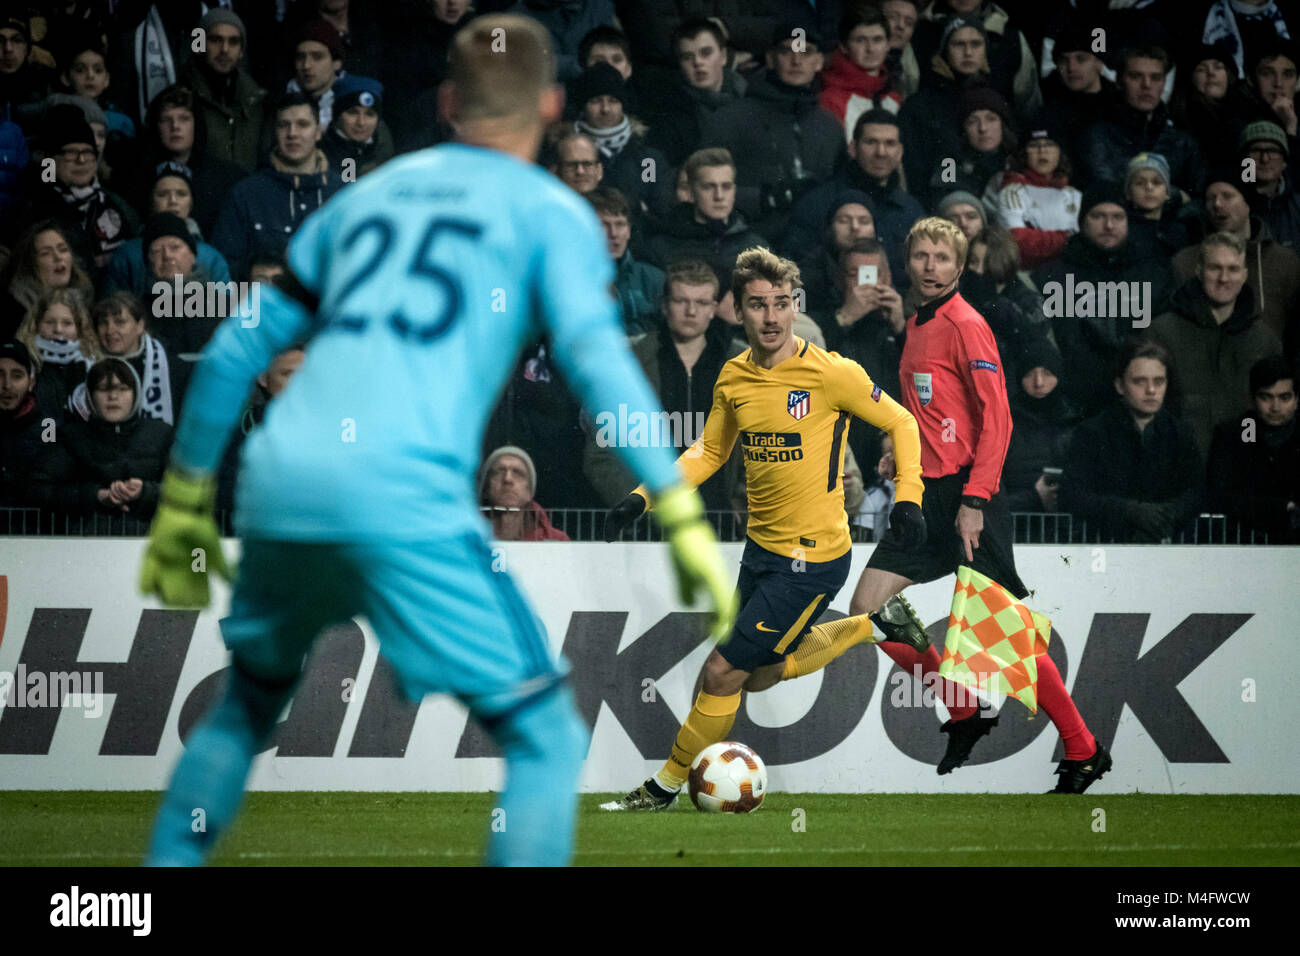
[(792, 422)]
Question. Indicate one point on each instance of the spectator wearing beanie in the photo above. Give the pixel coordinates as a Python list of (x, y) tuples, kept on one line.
[(172, 192), (1035, 200), (317, 65), (170, 252), (1011, 65), (265, 209), (1043, 421), (100, 220), (1274, 197), (1075, 93), (1099, 253), (988, 140), (964, 210), (358, 131), (850, 219), (783, 142), (1272, 270), (859, 76), (230, 104), (603, 100), (1158, 217), (358, 27), (1140, 123), (507, 487), (930, 120), (98, 125)]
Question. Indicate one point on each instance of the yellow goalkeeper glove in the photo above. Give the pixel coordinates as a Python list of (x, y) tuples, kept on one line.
[(183, 543), (696, 556)]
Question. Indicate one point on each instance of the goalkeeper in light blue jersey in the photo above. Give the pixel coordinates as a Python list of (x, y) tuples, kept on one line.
[(417, 289)]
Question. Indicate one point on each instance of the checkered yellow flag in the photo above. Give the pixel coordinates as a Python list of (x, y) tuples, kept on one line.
[(993, 640)]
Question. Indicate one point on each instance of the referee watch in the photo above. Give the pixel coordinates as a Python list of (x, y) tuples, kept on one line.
[(971, 501)]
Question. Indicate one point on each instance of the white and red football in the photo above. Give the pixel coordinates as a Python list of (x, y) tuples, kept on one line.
[(727, 778)]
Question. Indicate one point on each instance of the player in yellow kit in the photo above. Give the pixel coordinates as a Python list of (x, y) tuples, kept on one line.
[(788, 403)]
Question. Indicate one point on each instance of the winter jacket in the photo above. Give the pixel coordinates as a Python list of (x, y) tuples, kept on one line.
[(13, 160), (365, 156), (1014, 315), (568, 22), (20, 448), (1252, 481), (688, 395), (639, 287), (1168, 234), (128, 271), (716, 242), (783, 143), (649, 23), (679, 115), (1212, 360), (1125, 132), (1281, 212), (1273, 274), (974, 172), (848, 91), (1111, 466), (1011, 63), (92, 455), (627, 170), (930, 125), (1076, 113), (894, 211), (1040, 438), (232, 119), (1041, 214), (265, 209), (1091, 344), (98, 224)]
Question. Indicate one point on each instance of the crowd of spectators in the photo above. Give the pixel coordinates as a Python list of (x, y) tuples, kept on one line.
[(1122, 169)]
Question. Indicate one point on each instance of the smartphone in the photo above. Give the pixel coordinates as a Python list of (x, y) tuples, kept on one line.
[(1052, 476), (867, 275)]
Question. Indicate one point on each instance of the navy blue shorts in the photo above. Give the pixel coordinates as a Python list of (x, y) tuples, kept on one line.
[(780, 598)]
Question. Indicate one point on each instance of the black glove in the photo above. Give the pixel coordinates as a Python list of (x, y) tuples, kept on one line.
[(907, 525), (622, 515)]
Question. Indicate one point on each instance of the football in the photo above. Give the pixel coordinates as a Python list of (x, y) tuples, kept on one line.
[(728, 778)]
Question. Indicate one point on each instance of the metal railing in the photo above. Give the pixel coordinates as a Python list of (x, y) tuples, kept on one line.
[(588, 524)]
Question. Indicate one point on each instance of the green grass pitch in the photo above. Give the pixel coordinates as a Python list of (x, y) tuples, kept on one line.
[(377, 829)]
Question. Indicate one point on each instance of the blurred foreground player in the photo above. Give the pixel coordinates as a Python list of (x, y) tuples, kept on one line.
[(417, 288), (789, 404)]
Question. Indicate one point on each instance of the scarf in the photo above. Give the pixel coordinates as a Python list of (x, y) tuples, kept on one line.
[(59, 351), (609, 141), (98, 217), (156, 383), (153, 58), (1221, 26)]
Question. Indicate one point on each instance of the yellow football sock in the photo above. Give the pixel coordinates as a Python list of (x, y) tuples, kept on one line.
[(709, 722), (825, 642)]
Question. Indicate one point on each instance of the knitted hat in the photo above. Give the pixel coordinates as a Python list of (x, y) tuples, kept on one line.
[(1148, 161), (1040, 353), (785, 31), (217, 17), (350, 91), (16, 351), (599, 79), (89, 108), (65, 124), (1102, 191), (173, 168), (322, 32), (167, 224), (1263, 131), (1226, 174), (1045, 126), (486, 471), (984, 98), (1075, 38), (1217, 51), (956, 23), (19, 24), (846, 196), (959, 198)]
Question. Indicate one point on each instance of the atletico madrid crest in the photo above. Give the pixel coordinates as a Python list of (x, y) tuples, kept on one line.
[(798, 404)]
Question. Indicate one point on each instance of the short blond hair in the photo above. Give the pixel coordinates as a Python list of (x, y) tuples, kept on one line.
[(760, 263), (500, 65), (938, 230)]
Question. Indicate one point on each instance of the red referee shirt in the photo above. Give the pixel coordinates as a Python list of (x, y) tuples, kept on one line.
[(952, 382)]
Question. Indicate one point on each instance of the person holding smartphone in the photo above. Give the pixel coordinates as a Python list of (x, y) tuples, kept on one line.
[(1043, 419)]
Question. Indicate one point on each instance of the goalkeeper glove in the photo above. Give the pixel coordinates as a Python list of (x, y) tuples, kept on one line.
[(622, 515), (907, 525), (183, 543), (696, 556)]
